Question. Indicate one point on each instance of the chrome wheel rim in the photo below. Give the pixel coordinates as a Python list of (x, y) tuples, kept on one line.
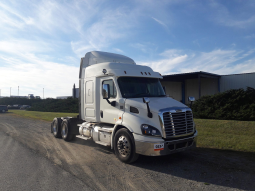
[(123, 146), (54, 129), (64, 130)]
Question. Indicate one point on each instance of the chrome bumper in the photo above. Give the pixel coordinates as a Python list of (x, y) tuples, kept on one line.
[(173, 146)]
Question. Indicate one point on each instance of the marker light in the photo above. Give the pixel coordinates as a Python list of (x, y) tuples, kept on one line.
[(104, 71)]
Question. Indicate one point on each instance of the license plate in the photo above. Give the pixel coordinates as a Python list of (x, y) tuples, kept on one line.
[(158, 147)]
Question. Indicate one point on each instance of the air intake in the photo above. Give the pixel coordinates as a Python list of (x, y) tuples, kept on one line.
[(134, 110)]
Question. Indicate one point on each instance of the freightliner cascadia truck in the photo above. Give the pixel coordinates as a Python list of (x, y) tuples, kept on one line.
[(123, 105)]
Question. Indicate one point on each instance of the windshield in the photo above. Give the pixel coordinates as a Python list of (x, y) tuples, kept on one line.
[(133, 87)]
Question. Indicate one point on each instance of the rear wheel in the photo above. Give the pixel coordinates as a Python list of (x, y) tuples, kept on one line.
[(124, 146), (66, 130), (56, 127)]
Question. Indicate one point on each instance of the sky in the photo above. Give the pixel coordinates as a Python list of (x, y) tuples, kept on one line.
[(41, 42)]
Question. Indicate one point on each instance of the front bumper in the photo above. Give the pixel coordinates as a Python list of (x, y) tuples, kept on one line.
[(147, 147)]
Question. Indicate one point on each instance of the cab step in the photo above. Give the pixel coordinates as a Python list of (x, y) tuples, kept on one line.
[(83, 137), (102, 143)]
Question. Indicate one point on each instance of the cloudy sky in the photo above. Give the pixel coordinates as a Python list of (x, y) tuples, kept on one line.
[(41, 42)]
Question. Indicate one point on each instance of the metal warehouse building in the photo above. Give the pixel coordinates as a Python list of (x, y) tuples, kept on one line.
[(197, 84)]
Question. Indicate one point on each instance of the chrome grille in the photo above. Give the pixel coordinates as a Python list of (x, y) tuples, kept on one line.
[(178, 123)]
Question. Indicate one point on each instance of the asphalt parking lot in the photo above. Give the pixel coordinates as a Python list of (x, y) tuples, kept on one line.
[(31, 158)]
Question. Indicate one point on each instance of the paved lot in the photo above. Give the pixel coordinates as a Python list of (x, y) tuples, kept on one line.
[(23, 169), (31, 158)]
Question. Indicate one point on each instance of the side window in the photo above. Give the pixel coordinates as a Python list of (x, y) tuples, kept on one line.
[(113, 92)]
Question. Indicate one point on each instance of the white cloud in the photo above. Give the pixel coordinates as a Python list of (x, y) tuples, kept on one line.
[(17, 46), (13, 18), (146, 47), (118, 50), (41, 42), (81, 47), (27, 51), (167, 64), (23, 64), (142, 47), (171, 53), (160, 22), (243, 19), (252, 36), (217, 61), (34, 74), (231, 22)]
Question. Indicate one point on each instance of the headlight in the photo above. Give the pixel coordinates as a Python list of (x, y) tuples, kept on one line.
[(149, 130)]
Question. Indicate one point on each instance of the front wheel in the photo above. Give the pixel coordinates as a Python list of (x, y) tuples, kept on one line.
[(124, 146)]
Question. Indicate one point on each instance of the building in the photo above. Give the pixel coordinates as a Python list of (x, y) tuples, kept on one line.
[(197, 84), (236, 81), (15, 96), (75, 92)]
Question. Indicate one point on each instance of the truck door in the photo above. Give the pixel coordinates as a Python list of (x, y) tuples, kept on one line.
[(108, 113), (89, 100)]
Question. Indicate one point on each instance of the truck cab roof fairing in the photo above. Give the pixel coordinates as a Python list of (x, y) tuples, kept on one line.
[(120, 70), (96, 57)]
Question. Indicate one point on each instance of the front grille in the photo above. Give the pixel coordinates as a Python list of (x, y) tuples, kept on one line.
[(178, 123)]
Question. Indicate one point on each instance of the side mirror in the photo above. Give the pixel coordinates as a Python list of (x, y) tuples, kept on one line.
[(147, 101), (191, 99), (106, 91)]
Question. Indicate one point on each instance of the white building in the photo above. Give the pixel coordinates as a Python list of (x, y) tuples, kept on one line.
[(236, 81), (197, 84)]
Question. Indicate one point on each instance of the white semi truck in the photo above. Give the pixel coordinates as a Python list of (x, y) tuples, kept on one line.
[(124, 106)]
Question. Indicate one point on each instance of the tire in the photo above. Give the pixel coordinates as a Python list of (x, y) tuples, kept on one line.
[(124, 146), (66, 131), (56, 127), (51, 125)]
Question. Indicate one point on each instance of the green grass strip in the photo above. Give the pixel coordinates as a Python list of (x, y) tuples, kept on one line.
[(46, 116), (226, 134), (216, 134)]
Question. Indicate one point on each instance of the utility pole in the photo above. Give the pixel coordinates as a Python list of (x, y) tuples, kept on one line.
[(10, 91), (43, 93), (18, 90), (0, 93)]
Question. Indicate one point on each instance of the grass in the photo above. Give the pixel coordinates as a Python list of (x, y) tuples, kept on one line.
[(226, 134), (46, 116), (217, 134)]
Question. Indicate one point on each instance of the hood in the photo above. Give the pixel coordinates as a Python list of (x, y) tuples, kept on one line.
[(156, 103)]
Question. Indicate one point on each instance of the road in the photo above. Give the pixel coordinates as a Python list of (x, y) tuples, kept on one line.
[(31, 158)]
